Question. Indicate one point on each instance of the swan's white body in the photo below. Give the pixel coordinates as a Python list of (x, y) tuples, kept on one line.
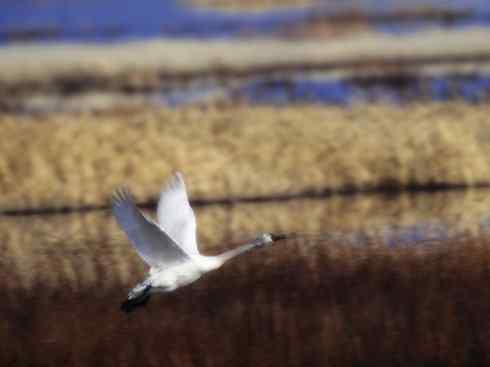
[(169, 245)]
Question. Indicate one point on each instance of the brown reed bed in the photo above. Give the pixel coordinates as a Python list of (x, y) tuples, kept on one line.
[(292, 304), (88, 248), (241, 151), (74, 243)]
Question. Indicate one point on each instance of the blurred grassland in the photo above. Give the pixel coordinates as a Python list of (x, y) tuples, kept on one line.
[(70, 160), (84, 250), (151, 64), (254, 5), (293, 304)]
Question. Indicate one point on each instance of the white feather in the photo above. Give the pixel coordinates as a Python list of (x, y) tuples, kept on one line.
[(175, 215), (152, 244), (169, 247)]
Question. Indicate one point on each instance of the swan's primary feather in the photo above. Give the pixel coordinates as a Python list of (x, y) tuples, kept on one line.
[(155, 246), (175, 215)]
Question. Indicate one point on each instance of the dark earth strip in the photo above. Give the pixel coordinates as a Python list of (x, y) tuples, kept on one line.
[(146, 81), (385, 189)]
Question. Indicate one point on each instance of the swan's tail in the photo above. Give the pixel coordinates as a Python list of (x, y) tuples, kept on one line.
[(136, 301)]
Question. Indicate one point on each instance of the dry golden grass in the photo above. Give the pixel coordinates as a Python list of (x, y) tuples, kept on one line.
[(254, 5), (293, 304), (73, 160), (84, 250)]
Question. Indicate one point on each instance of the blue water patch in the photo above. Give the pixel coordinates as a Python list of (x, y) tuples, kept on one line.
[(421, 234), (401, 89), (118, 20), (339, 92), (294, 91), (110, 20)]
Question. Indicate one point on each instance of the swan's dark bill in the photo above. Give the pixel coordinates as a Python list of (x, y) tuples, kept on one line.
[(131, 304), (279, 236)]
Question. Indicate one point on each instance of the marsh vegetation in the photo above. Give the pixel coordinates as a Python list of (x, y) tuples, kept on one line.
[(319, 302), (76, 160), (389, 201), (257, 5), (359, 268)]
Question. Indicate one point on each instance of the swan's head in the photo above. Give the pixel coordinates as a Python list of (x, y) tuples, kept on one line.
[(264, 239)]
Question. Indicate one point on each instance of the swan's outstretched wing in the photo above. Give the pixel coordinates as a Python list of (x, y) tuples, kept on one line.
[(151, 243), (175, 215)]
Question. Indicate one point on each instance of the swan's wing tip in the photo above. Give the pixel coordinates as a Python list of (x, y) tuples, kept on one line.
[(175, 182), (178, 175), (121, 195)]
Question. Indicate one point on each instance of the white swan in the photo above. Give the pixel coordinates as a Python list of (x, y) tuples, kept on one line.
[(169, 246)]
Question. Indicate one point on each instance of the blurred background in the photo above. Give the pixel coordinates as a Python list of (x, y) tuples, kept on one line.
[(361, 125)]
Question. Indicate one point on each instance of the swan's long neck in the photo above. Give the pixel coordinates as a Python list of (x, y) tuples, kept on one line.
[(214, 262), (230, 254)]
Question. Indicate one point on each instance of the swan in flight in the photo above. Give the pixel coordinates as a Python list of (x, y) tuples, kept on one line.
[(169, 245)]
